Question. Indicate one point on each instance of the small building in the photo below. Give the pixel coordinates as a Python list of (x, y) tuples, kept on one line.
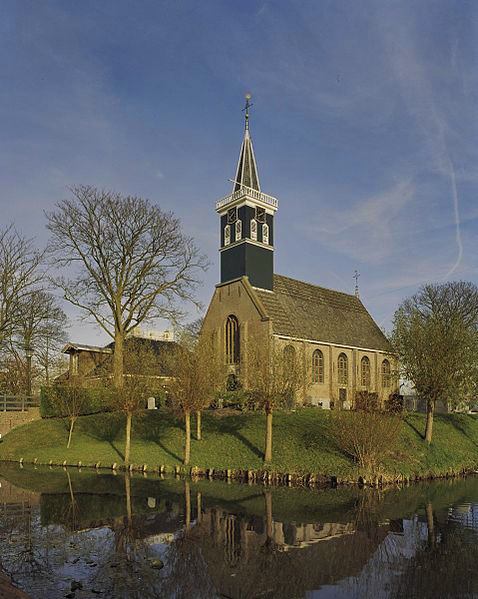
[(345, 350), (94, 364)]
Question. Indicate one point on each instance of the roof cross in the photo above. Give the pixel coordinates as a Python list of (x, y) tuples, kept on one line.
[(246, 110)]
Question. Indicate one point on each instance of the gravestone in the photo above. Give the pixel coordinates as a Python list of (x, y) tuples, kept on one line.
[(151, 403)]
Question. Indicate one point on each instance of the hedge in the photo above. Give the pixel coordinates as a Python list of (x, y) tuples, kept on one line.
[(97, 400)]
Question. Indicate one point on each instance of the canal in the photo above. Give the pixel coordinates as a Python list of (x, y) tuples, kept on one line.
[(82, 534)]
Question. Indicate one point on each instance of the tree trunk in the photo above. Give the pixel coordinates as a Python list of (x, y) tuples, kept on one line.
[(430, 525), (187, 444), (268, 444), (187, 505), (72, 424), (198, 425), (118, 360), (268, 514), (429, 423), (127, 447), (199, 507), (129, 509)]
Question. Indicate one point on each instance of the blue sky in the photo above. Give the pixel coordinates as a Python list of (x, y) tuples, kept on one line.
[(364, 124)]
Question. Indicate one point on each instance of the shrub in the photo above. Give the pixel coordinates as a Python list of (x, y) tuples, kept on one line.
[(366, 401), (97, 399), (238, 399), (368, 437), (394, 403)]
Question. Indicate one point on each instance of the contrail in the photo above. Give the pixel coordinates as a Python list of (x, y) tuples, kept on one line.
[(456, 216)]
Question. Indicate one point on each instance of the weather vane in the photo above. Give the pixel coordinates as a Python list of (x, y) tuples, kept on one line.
[(356, 277), (246, 109)]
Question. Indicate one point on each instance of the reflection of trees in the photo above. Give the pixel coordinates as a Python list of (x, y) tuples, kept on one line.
[(443, 566), (126, 570)]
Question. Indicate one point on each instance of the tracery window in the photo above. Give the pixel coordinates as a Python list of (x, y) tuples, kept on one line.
[(265, 234), (365, 372), (232, 337), (386, 374), (227, 235), (254, 230), (238, 230), (317, 366), (342, 367)]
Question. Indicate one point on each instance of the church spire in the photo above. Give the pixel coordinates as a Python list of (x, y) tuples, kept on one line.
[(246, 172)]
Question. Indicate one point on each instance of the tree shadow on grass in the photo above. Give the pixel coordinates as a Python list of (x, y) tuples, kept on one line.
[(232, 425), (414, 428), (153, 427), (113, 446), (455, 422)]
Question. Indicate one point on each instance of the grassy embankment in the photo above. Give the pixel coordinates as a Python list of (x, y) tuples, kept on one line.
[(302, 443)]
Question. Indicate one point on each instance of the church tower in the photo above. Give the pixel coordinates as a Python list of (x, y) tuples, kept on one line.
[(247, 222)]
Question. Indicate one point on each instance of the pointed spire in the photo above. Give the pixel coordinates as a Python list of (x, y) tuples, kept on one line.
[(246, 172)]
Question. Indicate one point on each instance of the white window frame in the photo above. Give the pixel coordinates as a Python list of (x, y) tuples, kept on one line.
[(254, 229), (265, 234), (227, 235), (238, 230)]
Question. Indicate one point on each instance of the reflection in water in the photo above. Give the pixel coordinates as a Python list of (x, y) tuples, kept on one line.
[(136, 536)]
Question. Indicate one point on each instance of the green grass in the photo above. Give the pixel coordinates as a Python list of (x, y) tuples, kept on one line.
[(302, 443)]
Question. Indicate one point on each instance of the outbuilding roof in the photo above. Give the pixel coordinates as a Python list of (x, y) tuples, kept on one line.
[(305, 311)]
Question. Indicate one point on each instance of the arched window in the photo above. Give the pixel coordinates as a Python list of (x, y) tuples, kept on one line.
[(343, 373), (232, 340), (265, 234), (238, 230), (227, 234), (317, 366), (386, 374), (365, 372), (254, 230), (289, 360)]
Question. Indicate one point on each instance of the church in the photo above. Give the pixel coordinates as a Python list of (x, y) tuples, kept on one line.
[(345, 350)]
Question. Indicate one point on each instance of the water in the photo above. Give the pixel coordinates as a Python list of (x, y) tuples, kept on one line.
[(141, 537)]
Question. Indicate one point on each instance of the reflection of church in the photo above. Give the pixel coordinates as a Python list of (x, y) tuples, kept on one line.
[(344, 348)]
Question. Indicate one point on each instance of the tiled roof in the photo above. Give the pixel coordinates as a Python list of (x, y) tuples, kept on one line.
[(306, 311)]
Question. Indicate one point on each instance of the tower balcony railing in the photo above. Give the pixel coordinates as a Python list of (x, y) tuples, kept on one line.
[(244, 191)]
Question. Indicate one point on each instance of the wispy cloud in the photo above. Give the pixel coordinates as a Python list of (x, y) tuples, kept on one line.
[(365, 229)]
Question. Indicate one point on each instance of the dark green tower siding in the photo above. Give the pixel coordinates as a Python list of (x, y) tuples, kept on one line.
[(251, 260)]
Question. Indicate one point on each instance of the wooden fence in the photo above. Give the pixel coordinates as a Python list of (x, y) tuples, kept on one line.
[(18, 403)]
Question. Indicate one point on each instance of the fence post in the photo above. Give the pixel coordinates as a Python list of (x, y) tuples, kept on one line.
[(4, 403), (23, 403)]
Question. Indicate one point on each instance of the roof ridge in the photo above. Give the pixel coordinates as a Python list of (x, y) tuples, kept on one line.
[(318, 286)]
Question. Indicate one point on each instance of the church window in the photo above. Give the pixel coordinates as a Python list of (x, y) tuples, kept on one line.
[(317, 366), (365, 372), (254, 230), (386, 374), (232, 340), (238, 230), (289, 360), (227, 235), (343, 374), (265, 234)]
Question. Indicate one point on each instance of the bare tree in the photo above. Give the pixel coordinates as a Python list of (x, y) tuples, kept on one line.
[(41, 326), (19, 273), (129, 261), (435, 334), (198, 374), (275, 374)]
